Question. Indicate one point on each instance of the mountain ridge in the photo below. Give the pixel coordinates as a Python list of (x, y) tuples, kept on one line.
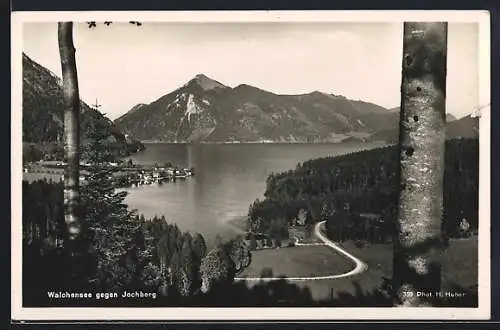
[(205, 110), (464, 127), (43, 111)]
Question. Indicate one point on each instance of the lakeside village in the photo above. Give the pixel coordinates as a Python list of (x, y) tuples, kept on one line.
[(125, 174)]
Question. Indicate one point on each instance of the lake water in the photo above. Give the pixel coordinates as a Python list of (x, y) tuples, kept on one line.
[(229, 177)]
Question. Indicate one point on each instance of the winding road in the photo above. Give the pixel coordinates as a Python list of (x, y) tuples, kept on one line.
[(359, 267)]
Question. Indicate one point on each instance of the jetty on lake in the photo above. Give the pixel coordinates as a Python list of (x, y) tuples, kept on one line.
[(124, 174), (149, 174)]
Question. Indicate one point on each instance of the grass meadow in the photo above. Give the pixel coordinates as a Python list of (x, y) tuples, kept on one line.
[(460, 266)]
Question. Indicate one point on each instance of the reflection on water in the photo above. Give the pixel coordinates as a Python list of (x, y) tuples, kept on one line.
[(229, 177)]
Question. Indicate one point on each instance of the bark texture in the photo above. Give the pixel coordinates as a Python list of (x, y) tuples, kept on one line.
[(417, 255), (71, 131)]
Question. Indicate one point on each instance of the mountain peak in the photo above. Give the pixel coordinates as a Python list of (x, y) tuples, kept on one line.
[(206, 83), (201, 76), (318, 93)]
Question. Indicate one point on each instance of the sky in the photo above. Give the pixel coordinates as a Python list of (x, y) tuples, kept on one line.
[(122, 65)]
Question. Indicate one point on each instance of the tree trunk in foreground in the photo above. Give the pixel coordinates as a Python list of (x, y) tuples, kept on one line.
[(417, 252), (71, 133)]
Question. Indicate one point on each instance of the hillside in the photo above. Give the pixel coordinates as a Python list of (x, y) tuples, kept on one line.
[(205, 110), (465, 127), (450, 117), (368, 182), (43, 111)]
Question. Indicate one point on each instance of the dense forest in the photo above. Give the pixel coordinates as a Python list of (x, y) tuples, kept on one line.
[(126, 251), (159, 258), (121, 250), (357, 194)]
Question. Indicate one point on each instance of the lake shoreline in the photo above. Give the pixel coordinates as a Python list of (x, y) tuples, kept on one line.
[(228, 179)]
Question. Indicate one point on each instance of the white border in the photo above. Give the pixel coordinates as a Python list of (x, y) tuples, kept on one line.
[(253, 314)]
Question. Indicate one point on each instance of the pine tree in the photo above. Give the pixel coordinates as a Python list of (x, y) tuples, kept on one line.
[(187, 269), (199, 248), (216, 268), (218, 240), (115, 236), (199, 251)]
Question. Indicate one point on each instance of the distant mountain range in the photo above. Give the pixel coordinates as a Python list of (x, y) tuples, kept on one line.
[(205, 110), (465, 127), (43, 109)]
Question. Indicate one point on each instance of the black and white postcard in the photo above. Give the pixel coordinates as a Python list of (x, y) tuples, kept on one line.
[(262, 165)]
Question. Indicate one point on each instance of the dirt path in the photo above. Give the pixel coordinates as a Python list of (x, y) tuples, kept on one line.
[(359, 267)]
